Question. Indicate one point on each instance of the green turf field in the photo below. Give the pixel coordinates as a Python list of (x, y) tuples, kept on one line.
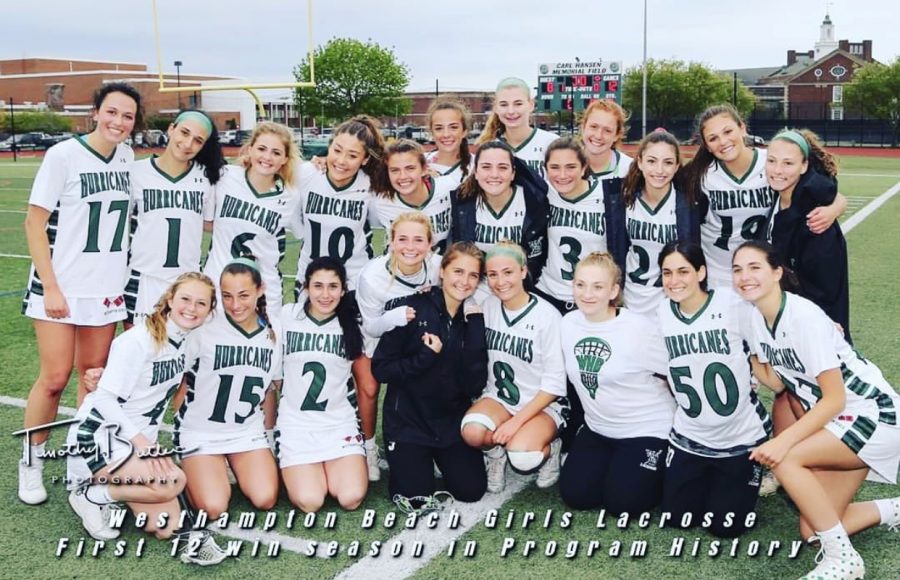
[(29, 536)]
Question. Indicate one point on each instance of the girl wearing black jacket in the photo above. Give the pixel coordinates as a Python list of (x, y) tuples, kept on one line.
[(502, 200), (434, 366), (803, 175)]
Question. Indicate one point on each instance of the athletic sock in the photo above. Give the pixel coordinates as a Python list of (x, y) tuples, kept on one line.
[(99, 494), (886, 509)]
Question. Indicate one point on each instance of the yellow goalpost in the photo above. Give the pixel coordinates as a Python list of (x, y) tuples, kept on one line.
[(249, 87)]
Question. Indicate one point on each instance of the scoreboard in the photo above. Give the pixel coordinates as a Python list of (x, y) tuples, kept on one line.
[(565, 86)]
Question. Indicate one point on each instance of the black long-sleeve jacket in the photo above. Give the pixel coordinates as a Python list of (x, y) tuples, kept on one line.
[(819, 260), (428, 393)]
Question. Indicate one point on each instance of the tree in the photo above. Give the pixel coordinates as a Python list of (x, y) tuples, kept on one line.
[(679, 90), (875, 90), (40, 121), (353, 77)]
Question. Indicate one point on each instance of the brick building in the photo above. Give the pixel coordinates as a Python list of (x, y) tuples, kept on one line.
[(811, 83), (67, 85)]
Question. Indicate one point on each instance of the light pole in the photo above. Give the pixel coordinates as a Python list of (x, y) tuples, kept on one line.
[(644, 87), (178, 64)]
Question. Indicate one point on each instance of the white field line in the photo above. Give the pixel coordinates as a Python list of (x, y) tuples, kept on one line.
[(843, 174), (869, 209), (66, 411), (17, 256), (435, 540), (19, 211)]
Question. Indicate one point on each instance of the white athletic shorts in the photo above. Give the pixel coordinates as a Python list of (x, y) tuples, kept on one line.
[(196, 443), (880, 451), (295, 446), (142, 292), (99, 446), (82, 311)]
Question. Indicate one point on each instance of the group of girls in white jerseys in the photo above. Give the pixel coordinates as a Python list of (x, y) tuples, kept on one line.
[(505, 275)]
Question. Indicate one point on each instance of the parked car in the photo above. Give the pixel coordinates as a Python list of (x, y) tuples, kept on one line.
[(27, 142)]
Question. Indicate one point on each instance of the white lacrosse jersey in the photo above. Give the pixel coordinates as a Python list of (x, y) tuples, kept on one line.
[(168, 216), (318, 391), (454, 173), (614, 366), (248, 221), (532, 149), (524, 354), (507, 224), (576, 228), (228, 372), (802, 344), (719, 414), (436, 207), (737, 210), (618, 168), (335, 223), (648, 231), (143, 378), (380, 294), (88, 197)]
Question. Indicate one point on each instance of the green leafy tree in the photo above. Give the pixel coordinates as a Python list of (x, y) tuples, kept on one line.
[(875, 90), (679, 90), (353, 77), (41, 121)]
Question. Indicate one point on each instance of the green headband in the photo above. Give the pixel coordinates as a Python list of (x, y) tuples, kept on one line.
[(507, 251), (797, 139), (196, 116), (244, 262)]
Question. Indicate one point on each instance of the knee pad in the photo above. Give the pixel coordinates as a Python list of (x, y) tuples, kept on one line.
[(478, 419), (525, 461)]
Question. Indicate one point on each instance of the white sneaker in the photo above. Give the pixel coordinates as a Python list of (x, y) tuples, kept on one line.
[(372, 460), (496, 469), (548, 474), (893, 520), (94, 517), (768, 485), (31, 483), (201, 549), (846, 566)]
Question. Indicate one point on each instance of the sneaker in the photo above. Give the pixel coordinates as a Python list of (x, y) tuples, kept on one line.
[(848, 566), (372, 460), (496, 469), (893, 520), (548, 474), (422, 505), (768, 485), (31, 483), (205, 553), (94, 517)]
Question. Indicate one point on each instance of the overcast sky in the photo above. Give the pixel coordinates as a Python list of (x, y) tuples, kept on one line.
[(466, 44)]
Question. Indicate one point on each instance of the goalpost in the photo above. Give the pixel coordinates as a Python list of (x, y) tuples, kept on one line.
[(249, 87)]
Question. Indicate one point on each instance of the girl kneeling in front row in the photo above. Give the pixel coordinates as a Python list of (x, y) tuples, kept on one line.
[(616, 360), (518, 416), (317, 439), (434, 366), (121, 419), (848, 431)]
